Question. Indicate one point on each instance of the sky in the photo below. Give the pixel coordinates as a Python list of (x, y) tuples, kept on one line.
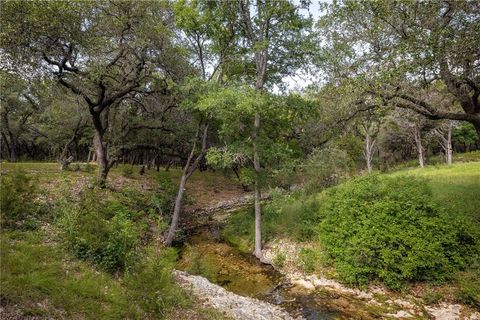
[(302, 80)]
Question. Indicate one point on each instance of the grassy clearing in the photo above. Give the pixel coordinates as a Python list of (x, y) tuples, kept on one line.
[(439, 160), (455, 187), (109, 266), (204, 189), (44, 280), (49, 282)]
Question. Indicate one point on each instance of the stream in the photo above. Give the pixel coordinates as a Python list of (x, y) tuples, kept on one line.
[(205, 253)]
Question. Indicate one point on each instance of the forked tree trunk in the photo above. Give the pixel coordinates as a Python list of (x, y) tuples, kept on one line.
[(64, 160), (104, 164), (444, 135), (368, 151), (186, 173)]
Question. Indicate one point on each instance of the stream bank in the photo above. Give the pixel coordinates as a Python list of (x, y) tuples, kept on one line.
[(243, 288)]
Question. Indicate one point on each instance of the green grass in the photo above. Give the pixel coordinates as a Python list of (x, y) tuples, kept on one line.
[(34, 272), (455, 187), (41, 279), (41, 276), (473, 156)]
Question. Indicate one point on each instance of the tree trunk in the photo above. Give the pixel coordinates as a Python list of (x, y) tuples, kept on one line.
[(419, 147), (102, 160), (368, 151), (261, 65), (176, 210), (449, 149), (64, 160), (444, 135), (187, 172), (258, 212)]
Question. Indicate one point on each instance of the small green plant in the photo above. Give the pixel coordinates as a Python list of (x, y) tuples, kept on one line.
[(279, 260), (469, 288), (150, 283), (17, 198), (309, 260), (102, 232), (432, 297), (127, 171), (88, 168)]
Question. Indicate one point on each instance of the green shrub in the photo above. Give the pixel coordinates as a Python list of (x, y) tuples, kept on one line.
[(309, 260), (102, 232), (279, 260), (469, 288), (127, 171), (88, 168), (17, 195), (163, 200), (325, 168), (150, 284), (293, 215), (432, 297), (240, 231), (76, 167), (390, 229)]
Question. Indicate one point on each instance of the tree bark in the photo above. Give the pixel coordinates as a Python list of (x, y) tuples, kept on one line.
[(63, 159), (13, 146), (186, 173), (258, 212), (104, 164), (449, 151), (368, 151), (419, 147), (444, 135)]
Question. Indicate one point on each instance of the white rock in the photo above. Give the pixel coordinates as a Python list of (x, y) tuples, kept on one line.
[(400, 315), (304, 283), (445, 311), (233, 305)]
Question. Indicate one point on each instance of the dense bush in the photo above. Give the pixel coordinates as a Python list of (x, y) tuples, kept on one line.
[(150, 283), (390, 229), (469, 286), (17, 194), (100, 231), (293, 215), (325, 168), (127, 171)]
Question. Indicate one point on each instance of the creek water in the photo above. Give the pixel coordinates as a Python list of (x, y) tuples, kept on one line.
[(205, 253)]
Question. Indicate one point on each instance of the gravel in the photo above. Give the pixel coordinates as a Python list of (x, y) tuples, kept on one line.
[(233, 305)]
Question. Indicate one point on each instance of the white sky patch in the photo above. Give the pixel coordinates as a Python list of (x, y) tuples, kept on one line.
[(303, 78)]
